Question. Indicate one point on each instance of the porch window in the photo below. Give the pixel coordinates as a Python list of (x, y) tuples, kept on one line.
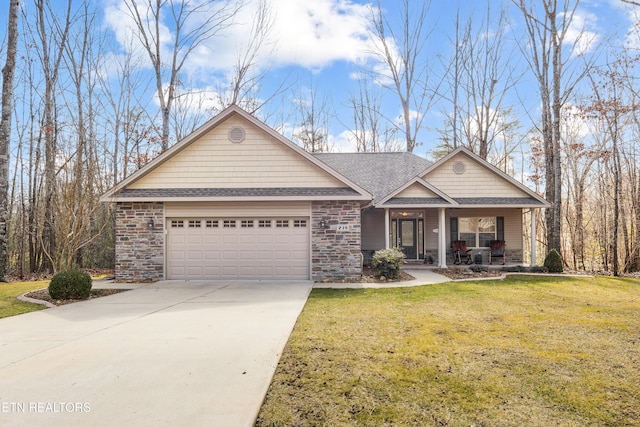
[(477, 232)]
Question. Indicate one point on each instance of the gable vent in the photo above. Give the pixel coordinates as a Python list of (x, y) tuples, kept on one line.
[(459, 168), (236, 134)]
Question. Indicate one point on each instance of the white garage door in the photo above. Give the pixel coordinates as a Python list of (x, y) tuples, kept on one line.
[(240, 248)]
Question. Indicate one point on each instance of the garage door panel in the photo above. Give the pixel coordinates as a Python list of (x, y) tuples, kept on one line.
[(255, 248), (264, 239), (212, 271), (282, 239), (212, 255), (228, 238), (211, 239), (229, 255), (299, 239), (262, 255)]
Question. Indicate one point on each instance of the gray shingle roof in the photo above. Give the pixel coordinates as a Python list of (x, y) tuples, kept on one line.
[(378, 173), (237, 192)]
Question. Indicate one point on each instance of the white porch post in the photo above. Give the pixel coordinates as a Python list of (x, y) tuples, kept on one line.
[(442, 240), (533, 237), (386, 228)]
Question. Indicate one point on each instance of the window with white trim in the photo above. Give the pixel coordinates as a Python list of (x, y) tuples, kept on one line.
[(477, 231), (246, 223), (177, 223), (264, 223), (229, 223), (282, 223), (194, 223), (299, 223), (212, 223)]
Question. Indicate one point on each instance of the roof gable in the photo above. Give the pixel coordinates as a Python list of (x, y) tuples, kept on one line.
[(235, 151), (414, 192), (462, 175)]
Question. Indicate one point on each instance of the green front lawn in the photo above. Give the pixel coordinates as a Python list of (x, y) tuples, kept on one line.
[(10, 306), (534, 351)]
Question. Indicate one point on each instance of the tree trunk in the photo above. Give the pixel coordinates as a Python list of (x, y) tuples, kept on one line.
[(8, 72)]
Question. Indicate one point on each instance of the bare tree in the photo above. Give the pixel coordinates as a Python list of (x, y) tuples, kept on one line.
[(482, 73), (8, 72), (405, 68), (246, 79), (52, 30), (548, 55), (212, 18), (313, 113), (368, 128)]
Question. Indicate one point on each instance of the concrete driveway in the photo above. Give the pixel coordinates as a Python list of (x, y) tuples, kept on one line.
[(171, 353)]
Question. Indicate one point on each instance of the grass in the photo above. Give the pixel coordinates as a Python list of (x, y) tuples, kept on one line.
[(524, 351), (10, 305)]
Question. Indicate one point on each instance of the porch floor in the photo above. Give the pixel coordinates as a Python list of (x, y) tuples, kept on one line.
[(420, 265)]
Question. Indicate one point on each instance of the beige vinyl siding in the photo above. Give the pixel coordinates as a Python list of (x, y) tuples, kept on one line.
[(372, 229), (259, 161), (476, 181), (416, 190), (238, 209), (430, 224)]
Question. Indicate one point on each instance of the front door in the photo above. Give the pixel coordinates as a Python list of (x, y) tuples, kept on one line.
[(407, 234)]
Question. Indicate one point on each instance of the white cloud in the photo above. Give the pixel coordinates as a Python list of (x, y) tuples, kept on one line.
[(582, 33), (316, 33), (308, 34)]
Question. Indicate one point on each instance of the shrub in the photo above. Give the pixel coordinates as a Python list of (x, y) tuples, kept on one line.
[(539, 269), (553, 262), (73, 284), (388, 262), (525, 269)]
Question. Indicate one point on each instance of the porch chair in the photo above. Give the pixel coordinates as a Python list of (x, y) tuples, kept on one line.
[(460, 251), (497, 250)]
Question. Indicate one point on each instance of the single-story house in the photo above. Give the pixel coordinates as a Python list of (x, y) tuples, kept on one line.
[(237, 200)]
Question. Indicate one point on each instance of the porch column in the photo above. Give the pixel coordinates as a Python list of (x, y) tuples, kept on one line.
[(533, 237), (386, 228), (442, 239)]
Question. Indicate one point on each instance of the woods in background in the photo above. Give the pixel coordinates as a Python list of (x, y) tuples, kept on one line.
[(77, 120)]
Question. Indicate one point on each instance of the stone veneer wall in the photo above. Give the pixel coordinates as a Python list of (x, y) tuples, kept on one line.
[(336, 249), (139, 248)]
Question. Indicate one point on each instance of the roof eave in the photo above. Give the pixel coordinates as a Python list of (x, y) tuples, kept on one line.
[(416, 206), (116, 199), (502, 205)]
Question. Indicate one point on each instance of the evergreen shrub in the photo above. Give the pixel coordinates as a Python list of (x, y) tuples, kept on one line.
[(70, 284), (388, 262), (553, 262)]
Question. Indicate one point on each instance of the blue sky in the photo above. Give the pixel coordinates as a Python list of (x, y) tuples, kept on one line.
[(324, 43)]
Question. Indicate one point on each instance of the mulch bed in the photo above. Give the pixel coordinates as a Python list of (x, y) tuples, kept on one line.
[(369, 276), (465, 273), (43, 294)]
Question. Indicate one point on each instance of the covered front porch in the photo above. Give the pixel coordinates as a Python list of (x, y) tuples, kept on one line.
[(425, 234)]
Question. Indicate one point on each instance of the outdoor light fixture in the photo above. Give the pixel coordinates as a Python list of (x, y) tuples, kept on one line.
[(150, 224), (323, 223)]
